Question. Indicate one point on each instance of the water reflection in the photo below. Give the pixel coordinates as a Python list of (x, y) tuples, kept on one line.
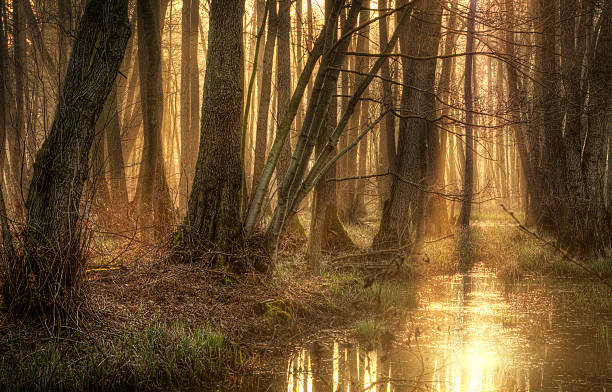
[(468, 334)]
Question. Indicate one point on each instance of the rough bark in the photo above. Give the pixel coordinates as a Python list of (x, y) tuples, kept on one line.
[(402, 214), (213, 218), (283, 78), (46, 279)]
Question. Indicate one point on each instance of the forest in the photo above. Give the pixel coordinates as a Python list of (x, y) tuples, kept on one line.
[(306, 195)]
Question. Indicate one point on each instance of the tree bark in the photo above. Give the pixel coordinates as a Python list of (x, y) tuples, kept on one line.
[(46, 280), (325, 222), (261, 137), (401, 222), (387, 128), (154, 203), (468, 184), (363, 46), (118, 184), (213, 218), (187, 147)]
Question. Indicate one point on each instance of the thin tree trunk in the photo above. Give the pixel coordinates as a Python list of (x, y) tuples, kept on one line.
[(363, 112), (194, 99), (468, 183), (118, 184), (387, 128), (187, 147), (16, 138), (154, 203), (261, 138), (325, 222)]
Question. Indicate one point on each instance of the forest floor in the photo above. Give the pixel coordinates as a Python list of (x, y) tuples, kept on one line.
[(160, 325)]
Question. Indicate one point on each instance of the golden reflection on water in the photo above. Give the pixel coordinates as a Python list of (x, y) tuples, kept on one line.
[(466, 336)]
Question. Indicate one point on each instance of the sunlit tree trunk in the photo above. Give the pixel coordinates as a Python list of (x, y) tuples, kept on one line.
[(322, 92), (363, 46), (466, 204), (187, 147), (154, 203), (326, 230), (261, 137), (437, 140), (213, 218), (194, 91), (387, 128), (348, 210)]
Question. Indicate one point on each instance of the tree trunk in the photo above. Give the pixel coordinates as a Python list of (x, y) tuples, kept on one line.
[(261, 137), (325, 222), (387, 128), (402, 221), (213, 217), (323, 89), (16, 138), (154, 203), (194, 99), (188, 152), (118, 185), (46, 281), (362, 67), (468, 183)]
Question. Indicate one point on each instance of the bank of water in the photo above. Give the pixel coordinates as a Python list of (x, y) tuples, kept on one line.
[(470, 332)]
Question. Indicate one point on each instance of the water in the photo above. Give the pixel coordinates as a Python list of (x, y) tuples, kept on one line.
[(469, 333)]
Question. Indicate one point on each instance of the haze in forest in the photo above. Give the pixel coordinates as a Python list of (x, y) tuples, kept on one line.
[(228, 175)]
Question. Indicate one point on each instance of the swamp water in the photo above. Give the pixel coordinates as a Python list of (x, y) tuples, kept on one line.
[(469, 332)]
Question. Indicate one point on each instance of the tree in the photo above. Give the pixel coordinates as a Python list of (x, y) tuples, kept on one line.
[(189, 95), (45, 278), (213, 218), (402, 220), (265, 87), (468, 183), (326, 230), (154, 200)]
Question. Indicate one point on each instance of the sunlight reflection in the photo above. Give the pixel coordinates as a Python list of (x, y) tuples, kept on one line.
[(466, 336)]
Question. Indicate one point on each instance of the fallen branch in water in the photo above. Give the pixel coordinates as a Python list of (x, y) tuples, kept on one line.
[(566, 256)]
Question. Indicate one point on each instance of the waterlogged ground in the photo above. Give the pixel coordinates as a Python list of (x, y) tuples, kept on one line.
[(470, 332)]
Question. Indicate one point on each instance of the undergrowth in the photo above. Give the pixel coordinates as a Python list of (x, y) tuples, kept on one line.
[(158, 356)]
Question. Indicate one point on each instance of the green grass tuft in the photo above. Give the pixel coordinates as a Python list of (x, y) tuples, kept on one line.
[(159, 356)]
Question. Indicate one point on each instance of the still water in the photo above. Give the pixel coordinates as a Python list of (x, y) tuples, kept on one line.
[(470, 332)]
